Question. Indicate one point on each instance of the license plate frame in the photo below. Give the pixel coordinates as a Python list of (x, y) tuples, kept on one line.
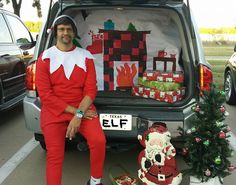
[(121, 122)]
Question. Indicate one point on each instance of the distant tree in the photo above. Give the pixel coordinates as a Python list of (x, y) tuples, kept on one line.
[(17, 6)]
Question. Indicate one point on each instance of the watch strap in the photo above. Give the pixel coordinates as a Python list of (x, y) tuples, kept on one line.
[(78, 111)]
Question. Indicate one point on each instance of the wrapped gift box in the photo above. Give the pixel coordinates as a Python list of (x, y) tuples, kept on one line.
[(163, 76), (161, 86), (164, 96)]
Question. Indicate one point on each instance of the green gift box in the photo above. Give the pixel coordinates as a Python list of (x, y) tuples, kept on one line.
[(161, 86)]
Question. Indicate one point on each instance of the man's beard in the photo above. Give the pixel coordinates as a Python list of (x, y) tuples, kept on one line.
[(66, 39)]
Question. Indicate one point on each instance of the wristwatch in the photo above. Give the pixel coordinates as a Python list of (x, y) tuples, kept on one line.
[(79, 114)]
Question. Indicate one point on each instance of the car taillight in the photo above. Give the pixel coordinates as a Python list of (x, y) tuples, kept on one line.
[(206, 78), (30, 77)]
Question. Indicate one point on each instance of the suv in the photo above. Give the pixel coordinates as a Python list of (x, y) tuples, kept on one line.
[(15, 44), (230, 79), (128, 37)]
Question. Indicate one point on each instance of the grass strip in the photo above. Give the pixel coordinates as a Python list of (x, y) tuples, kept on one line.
[(220, 50), (217, 62)]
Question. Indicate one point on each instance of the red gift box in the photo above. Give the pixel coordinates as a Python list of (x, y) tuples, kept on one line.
[(163, 76), (164, 96)]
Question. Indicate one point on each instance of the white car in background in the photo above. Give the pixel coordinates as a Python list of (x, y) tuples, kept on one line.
[(230, 79)]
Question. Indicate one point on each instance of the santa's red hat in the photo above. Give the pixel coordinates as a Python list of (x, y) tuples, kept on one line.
[(159, 127)]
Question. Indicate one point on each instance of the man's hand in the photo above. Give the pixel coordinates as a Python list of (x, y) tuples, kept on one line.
[(73, 127), (90, 114)]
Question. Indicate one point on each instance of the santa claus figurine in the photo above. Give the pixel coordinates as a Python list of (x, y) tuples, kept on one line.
[(157, 162)]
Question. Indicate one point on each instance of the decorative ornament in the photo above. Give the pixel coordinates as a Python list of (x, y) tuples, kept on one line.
[(131, 27), (193, 108), (197, 109), (197, 139), (231, 168), (159, 156), (125, 180), (222, 93), (218, 160), (189, 131), (184, 151), (228, 129), (222, 135), (193, 129), (208, 173), (109, 25), (232, 154), (207, 142), (222, 109), (201, 112), (226, 113), (219, 123)]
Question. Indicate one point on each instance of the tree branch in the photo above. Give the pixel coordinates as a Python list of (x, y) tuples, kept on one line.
[(37, 4)]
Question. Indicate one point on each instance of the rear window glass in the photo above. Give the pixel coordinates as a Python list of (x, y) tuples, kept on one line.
[(5, 36), (21, 34)]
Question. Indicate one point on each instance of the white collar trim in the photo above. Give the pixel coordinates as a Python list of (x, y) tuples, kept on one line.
[(67, 59)]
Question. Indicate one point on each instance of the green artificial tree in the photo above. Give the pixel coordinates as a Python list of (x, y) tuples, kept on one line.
[(131, 27), (207, 150), (76, 41)]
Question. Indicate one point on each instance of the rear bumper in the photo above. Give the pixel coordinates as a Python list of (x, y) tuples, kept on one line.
[(32, 114), (142, 118)]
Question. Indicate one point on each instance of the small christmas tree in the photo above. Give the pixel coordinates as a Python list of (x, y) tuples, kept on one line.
[(207, 149), (131, 27)]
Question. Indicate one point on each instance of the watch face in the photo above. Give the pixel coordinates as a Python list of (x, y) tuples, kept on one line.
[(78, 115)]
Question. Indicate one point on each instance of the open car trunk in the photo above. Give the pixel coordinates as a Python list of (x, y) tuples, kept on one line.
[(128, 43)]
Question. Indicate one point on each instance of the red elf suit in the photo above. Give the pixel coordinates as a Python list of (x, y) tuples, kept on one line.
[(62, 79)]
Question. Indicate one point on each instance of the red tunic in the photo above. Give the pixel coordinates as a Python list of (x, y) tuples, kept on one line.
[(57, 92)]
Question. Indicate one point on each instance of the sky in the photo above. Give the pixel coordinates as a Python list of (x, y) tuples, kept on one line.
[(214, 13), (207, 13)]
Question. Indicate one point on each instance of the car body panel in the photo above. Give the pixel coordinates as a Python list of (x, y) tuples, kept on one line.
[(13, 62)]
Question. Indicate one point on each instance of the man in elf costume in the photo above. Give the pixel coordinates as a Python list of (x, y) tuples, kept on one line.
[(66, 83), (157, 162)]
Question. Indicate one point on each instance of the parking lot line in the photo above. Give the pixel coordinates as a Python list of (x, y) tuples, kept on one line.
[(16, 159)]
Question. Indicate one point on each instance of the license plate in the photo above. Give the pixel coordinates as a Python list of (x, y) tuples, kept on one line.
[(116, 121)]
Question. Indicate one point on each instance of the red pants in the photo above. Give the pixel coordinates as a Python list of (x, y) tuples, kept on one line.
[(54, 134)]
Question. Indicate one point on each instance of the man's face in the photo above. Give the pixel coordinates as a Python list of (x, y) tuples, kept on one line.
[(65, 34)]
